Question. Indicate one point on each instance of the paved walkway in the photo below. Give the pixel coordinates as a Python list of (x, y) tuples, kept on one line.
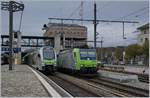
[(131, 80), (20, 82)]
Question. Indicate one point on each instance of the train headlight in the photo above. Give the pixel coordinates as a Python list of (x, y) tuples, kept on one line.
[(55, 64), (43, 64)]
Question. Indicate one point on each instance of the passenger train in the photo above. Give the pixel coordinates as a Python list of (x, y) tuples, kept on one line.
[(77, 61), (43, 59)]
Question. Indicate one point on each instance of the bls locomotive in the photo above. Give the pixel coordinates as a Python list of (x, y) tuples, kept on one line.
[(77, 61)]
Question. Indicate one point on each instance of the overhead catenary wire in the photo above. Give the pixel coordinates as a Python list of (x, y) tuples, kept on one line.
[(74, 11), (133, 13), (20, 21), (139, 15), (102, 7)]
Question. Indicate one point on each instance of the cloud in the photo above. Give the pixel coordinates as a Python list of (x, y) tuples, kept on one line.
[(36, 13)]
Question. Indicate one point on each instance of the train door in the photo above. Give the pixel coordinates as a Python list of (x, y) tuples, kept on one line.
[(34, 61), (39, 61), (75, 56)]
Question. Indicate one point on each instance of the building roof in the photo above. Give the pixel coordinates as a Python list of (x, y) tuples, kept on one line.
[(67, 25), (143, 27)]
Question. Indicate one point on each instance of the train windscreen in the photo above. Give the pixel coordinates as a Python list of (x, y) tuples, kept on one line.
[(87, 54), (48, 53)]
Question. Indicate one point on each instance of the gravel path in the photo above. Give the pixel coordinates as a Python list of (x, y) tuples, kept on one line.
[(20, 82)]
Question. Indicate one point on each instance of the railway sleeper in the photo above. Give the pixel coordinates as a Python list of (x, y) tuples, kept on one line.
[(125, 88)]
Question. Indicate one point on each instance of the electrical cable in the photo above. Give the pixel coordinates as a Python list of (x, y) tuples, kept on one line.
[(20, 21), (130, 14), (74, 12), (99, 8), (141, 14), (137, 11)]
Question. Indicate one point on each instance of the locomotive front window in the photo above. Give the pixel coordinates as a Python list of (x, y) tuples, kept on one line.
[(48, 54), (87, 54)]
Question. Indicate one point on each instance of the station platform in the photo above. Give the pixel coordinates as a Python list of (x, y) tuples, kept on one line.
[(120, 77), (127, 79), (20, 82), (133, 68)]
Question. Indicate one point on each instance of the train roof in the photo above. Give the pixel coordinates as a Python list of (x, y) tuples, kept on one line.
[(75, 49), (31, 50)]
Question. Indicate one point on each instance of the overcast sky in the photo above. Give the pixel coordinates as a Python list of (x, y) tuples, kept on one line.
[(37, 12)]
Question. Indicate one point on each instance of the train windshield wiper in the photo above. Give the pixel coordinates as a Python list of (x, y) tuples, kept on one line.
[(48, 58)]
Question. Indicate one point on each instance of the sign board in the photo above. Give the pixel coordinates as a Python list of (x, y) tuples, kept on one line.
[(16, 50)]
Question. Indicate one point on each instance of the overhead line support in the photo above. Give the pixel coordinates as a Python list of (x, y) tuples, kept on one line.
[(11, 6), (91, 20), (95, 25)]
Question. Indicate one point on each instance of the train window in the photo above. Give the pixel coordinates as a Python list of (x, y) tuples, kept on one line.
[(75, 56), (87, 54), (48, 53), (39, 55)]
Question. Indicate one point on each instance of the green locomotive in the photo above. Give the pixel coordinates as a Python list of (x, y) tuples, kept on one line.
[(78, 61)]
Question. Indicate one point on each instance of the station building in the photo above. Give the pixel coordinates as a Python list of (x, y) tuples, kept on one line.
[(144, 34), (142, 38), (66, 35)]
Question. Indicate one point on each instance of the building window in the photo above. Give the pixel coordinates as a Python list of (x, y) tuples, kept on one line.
[(144, 31), (141, 40), (146, 39)]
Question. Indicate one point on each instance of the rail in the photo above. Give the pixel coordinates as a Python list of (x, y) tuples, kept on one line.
[(122, 87)]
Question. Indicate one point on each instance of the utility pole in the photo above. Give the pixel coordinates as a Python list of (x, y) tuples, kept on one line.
[(101, 48), (62, 35), (124, 46), (81, 12), (123, 31), (19, 47), (95, 25), (11, 6), (11, 61)]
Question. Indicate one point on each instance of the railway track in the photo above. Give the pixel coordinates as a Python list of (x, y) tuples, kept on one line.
[(79, 87), (73, 89), (141, 77), (125, 89), (83, 85), (95, 87)]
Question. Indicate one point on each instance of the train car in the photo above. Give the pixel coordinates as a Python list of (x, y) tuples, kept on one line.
[(78, 61), (43, 59)]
